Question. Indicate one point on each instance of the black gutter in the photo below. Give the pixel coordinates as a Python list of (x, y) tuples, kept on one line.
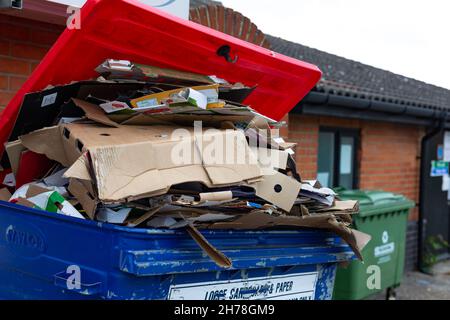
[(322, 104)]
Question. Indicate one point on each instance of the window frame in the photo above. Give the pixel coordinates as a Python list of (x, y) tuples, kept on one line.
[(338, 133)]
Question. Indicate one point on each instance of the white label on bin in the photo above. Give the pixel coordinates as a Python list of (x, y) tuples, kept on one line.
[(301, 286), (384, 249), (49, 99)]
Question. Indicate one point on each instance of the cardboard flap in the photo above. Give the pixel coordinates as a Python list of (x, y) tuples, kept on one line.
[(271, 158), (79, 170), (259, 220), (94, 113), (14, 150), (47, 141), (278, 189), (5, 195), (85, 198), (227, 157)]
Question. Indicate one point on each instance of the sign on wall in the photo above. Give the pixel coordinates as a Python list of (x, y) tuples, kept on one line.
[(178, 8)]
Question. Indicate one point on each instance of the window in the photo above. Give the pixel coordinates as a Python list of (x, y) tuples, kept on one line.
[(337, 157)]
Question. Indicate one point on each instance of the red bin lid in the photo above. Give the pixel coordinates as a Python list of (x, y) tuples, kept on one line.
[(129, 30)]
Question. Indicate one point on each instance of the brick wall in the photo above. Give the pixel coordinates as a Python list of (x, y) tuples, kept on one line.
[(23, 43), (230, 22), (388, 155)]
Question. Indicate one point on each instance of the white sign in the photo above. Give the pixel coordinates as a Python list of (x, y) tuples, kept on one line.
[(301, 286), (446, 146), (178, 8)]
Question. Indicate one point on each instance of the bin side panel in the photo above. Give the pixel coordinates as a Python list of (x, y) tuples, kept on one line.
[(50, 256)]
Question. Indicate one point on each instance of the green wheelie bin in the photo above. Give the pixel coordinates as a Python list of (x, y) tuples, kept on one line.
[(384, 216)]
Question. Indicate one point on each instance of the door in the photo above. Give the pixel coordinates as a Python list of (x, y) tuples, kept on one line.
[(434, 205)]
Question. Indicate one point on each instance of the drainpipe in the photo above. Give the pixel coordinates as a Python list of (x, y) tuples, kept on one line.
[(424, 171)]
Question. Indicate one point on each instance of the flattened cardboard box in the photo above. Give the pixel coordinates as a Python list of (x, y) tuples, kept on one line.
[(131, 162), (258, 220)]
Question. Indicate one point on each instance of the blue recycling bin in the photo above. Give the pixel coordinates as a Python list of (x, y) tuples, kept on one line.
[(49, 256)]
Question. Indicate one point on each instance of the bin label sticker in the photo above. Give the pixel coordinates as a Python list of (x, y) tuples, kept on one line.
[(301, 286), (49, 99), (386, 248)]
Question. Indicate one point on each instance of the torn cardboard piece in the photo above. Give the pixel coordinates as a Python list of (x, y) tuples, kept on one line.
[(143, 218), (258, 220), (342, 206), (270, 159), (14, 151), (278, 189), (94, 113), (218, 257), (87, 201), (5, 195), (113, 216)]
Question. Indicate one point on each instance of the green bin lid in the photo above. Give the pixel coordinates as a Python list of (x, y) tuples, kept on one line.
[(372, 202)]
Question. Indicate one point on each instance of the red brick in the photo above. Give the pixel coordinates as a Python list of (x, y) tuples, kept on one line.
[(212, 12), (13, 32), (4, 47), (3, 83), (237, 24), (15, 66), (44, 37), (194, 16), (229, 21), (33, 66), (5, 97), (221, 18), (203, 13), (15, 83), (27, 51), (251, 33), (260, 37)]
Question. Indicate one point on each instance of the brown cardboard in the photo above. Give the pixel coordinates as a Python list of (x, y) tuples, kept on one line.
[(218, 257), (85, 198), (25, 203), (14, 150), (131, 162), (143, 218), (342, 206), (207, 120), (5, 195), (278, 189), (94, 113), (34, 190), (47, 141), (271, 158), (260, 220)]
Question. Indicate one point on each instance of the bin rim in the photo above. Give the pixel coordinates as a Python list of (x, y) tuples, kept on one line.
[(147, 231)]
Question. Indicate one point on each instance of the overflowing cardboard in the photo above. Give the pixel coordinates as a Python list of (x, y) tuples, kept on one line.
[(128, 150), (112, 150)]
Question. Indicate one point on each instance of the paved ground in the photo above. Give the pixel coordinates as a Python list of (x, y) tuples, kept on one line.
[(420, 286)]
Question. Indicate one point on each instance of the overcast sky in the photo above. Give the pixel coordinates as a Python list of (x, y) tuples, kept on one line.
[(409, 37)]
